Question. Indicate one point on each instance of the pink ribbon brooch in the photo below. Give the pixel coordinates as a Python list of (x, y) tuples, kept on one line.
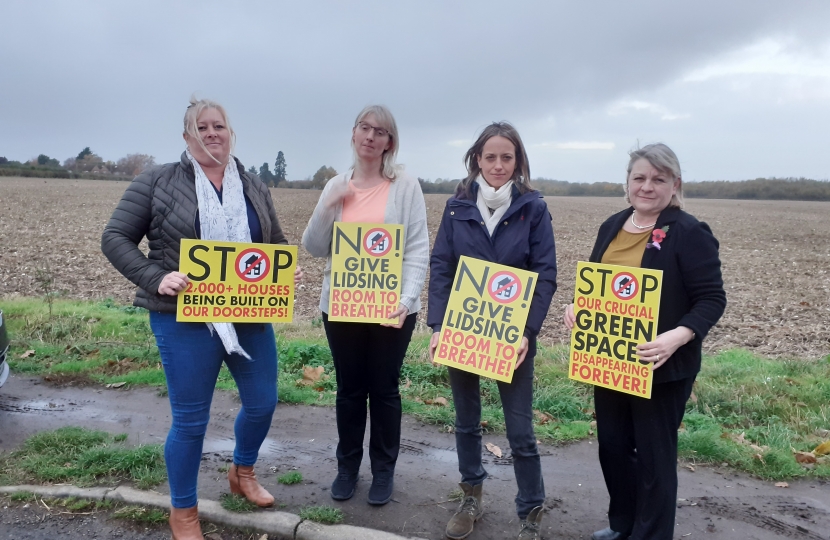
[(657, 236)]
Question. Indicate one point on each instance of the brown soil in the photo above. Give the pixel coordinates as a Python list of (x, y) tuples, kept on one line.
[(713, 503), (776, 256)]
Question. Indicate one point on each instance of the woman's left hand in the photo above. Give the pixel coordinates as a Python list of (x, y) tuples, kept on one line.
[(399, 314), (661, 349), (298, 275), (522, 352)]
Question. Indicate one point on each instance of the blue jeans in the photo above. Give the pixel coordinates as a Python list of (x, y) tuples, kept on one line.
[(192, 357), (517, 403)]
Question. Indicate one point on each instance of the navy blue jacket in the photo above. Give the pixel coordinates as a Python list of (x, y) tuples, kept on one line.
[(523, 239), (692, 294)]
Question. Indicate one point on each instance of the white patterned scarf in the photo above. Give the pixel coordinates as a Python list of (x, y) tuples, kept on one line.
[(225, 221), (493, 204)]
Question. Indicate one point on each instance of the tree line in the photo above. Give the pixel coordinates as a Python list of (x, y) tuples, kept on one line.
[(796, 189), (278, 177), (88, 164)]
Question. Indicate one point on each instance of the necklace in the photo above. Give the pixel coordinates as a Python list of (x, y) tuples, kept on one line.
[(641, 227)]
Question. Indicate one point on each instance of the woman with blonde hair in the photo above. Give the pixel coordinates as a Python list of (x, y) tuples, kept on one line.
[(208, 195), (368, 357)]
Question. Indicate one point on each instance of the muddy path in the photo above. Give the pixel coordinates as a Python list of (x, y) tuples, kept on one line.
[(714, 503)]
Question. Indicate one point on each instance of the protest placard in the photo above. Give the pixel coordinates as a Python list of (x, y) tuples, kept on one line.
[(366, 265), (236, 282), (485, 318), (616, 309)]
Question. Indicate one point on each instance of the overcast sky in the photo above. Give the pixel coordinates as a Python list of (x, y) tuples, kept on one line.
[(739, 89)]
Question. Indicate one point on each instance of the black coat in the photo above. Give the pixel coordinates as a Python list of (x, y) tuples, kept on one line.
[(523, 239), (692, 292), (161, 204)]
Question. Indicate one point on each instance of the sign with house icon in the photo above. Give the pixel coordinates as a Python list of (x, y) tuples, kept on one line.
[(485, 318), (366, 270), (236, 282)]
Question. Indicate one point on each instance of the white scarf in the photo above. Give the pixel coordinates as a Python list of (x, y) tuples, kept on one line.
[(225, 221), (493, 204)]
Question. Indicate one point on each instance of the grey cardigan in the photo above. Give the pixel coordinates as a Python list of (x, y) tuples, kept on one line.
[(161, 204), (405, 206)]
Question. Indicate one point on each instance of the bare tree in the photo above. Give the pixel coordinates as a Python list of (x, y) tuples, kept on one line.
[(134, 164)]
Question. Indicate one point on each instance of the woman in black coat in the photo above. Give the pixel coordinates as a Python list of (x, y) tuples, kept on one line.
[(637, 436)]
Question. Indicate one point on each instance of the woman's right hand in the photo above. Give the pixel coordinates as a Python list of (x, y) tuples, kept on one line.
[(338, 193), (433, 345), (570, 318), (173, 283)]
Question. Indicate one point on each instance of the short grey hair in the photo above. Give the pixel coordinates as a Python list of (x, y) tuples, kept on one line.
[(664, 160), (383, 116), (191, 117)]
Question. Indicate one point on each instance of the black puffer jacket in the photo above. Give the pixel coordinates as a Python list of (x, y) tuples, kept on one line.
[(161, 204)]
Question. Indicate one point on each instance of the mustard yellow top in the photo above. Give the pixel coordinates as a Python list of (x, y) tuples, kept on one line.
[(626, 249)]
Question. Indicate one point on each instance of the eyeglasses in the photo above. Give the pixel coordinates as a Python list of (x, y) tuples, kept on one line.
[(365, 128)]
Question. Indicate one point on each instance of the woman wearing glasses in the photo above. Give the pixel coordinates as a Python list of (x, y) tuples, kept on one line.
[(368, 357)]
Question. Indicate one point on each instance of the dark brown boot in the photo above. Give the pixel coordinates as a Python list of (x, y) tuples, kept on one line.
[(243, 482), (532, 525), (184, 524), (461, 524)]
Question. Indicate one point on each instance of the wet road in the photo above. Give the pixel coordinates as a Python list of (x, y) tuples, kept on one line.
[(715, 504)]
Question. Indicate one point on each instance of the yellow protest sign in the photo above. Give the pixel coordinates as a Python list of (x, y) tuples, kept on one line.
[(237, 282), (485, 319), (366, 265), (616, 309)]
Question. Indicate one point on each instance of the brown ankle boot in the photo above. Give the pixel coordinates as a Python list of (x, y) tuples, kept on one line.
[(243, 482), (469, 511), (184, 524)]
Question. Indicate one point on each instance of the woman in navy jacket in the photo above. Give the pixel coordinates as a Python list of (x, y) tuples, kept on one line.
[(638, 437), (496, 216)]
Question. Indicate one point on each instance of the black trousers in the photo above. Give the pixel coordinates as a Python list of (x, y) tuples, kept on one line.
[(638, 454), (367, 360)]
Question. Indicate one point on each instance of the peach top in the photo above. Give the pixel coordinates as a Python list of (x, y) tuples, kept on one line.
[(366, 205)]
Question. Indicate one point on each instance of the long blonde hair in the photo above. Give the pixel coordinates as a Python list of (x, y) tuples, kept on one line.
[(389, 168), (191, 117)]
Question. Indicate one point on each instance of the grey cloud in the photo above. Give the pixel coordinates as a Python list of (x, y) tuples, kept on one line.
[(116, 76)]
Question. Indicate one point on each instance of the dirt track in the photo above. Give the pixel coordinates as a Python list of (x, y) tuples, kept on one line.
[(776, 256), (713, 504)]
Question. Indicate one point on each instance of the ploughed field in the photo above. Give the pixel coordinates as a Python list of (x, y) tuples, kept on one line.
[(775, 254)]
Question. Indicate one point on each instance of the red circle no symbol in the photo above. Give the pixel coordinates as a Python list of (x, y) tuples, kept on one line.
[(377, 242), (252, 265), (624, 286), (504, 287)]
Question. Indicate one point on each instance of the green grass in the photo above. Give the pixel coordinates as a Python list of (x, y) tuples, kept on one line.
[(23, 496), (291, 478), (778, 405), (140, 514), (236, 503), (82, 457), (322, 514)]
